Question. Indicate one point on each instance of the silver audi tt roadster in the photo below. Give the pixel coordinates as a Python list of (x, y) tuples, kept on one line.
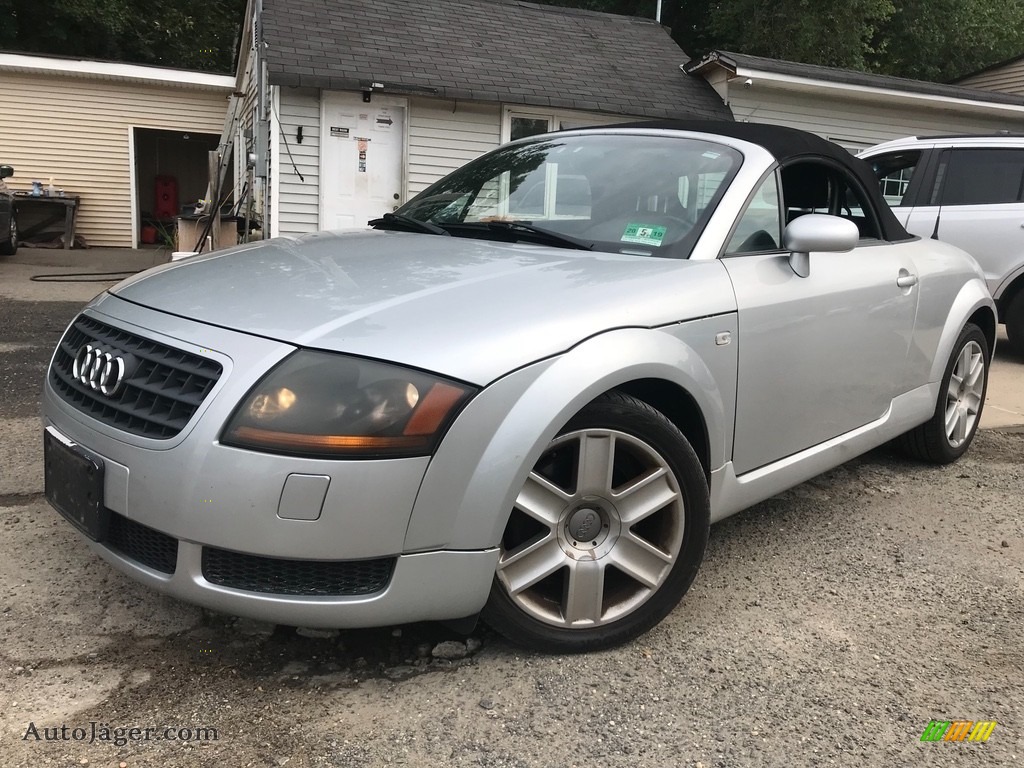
[(525, 394)]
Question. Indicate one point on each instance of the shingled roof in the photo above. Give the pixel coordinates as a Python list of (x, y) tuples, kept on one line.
[(485, 50)]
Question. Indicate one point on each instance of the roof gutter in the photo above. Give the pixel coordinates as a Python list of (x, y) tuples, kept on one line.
[(109, 70), (717, 62), (806, 84)]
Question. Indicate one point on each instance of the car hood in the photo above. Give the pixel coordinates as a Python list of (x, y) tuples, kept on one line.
[(466, 308)]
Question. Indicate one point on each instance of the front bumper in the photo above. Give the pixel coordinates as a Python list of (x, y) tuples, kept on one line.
[(427, 586), (195, 498)]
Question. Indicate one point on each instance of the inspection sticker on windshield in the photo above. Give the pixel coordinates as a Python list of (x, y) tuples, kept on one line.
[(643, 234)]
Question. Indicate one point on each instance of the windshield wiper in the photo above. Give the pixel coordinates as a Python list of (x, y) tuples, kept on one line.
[(401, 221), (524, 230)]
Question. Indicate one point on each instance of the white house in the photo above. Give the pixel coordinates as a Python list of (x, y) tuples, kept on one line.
[(351, 107), (1005, 76), (854, 109)]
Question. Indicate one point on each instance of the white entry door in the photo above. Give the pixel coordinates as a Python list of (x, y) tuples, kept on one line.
[(361, 152)]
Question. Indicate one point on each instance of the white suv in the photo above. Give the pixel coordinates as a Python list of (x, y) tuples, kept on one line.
[(968, 191)]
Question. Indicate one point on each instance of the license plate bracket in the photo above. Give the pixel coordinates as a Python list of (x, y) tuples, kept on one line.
[(73, 481)]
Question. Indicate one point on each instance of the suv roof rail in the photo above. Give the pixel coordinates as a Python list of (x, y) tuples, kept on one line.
[(992, 135)]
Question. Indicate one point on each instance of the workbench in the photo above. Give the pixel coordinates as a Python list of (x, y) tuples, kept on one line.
[(38, 214)]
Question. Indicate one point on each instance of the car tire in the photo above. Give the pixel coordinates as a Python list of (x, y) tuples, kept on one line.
[(1014, 320), (10, 247), (606, 535), (948, 433)]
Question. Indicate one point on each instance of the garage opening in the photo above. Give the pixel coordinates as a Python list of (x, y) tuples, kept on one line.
[(170, 176)]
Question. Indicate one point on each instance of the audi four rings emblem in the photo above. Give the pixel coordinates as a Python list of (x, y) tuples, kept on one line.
[(100, 370)]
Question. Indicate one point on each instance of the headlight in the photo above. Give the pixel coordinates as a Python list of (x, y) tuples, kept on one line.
[(322, 404)]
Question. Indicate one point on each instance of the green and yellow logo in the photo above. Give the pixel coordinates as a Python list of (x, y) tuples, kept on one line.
[(958, 730)]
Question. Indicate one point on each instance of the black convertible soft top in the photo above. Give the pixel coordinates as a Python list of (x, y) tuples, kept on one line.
[(789, 145)]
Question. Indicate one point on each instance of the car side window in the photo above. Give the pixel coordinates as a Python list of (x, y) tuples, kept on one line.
[(810, 187), (759, 227), (984, 177), (894, 172)]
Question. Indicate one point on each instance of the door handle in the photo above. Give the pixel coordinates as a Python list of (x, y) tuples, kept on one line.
[(906, 280)]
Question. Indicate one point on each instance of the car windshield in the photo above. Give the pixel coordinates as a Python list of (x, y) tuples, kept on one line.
[(624, 193)]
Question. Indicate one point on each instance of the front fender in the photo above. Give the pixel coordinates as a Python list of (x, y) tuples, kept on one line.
[(472, 481), (973, 296), (1006, 282)]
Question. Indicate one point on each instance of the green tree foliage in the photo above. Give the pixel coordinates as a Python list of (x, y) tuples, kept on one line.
[(927, 39), (941, 40), (837, 33), (191, 34), (937, 40)]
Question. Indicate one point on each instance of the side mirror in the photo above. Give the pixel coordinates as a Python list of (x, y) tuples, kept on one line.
[(817, 232), (6, 171)]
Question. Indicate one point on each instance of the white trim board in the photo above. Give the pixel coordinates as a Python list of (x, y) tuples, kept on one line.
[(133, 184), (807, 84), (109, 70)]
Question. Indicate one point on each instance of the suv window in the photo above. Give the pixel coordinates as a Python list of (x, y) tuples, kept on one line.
[(894, 172), (984, 177)]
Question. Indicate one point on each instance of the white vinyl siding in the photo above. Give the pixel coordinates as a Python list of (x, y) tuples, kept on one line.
[(444, 135), (852, 122), (76, 130), (299, 198), (1007, 79)]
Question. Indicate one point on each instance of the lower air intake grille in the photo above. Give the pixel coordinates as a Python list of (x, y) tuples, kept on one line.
[(142, 544), (295, 577)]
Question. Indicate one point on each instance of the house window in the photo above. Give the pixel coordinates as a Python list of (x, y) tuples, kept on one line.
[(522, 126), (522, 123)]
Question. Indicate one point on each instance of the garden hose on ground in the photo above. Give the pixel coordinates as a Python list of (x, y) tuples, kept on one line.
[(84, 277)]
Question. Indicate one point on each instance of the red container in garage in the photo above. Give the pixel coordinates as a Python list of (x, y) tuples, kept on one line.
[(166, 195), (149, 234)]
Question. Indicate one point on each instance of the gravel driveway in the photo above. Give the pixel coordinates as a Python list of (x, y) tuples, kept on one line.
[(828, 626)]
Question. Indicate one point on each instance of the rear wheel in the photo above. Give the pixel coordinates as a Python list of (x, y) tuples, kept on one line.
[(946, 436), (1014, 320), (606, 534), (11, 246)]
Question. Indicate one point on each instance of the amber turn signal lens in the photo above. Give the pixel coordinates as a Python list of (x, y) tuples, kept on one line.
[(255, 436), (434, 409)]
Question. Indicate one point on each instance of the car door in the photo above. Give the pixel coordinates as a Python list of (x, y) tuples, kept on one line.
[(977, 204), (818, 355)]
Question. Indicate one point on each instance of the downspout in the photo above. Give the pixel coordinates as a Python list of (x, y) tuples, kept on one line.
[(261, 130)]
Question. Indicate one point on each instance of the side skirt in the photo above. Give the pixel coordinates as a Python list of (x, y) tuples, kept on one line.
[(731, 493)]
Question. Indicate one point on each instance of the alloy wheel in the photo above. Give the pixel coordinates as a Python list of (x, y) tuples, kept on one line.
[(964, 394), (595, 531)]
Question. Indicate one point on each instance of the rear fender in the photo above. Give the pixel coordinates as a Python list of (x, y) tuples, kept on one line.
[(1009, 286), (973, 296)]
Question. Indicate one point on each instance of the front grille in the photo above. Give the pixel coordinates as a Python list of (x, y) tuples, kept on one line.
[(157, 398), (295, 577), (142, 544)]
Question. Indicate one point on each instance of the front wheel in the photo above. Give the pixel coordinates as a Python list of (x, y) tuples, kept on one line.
[(606, 535), (946, 436)]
